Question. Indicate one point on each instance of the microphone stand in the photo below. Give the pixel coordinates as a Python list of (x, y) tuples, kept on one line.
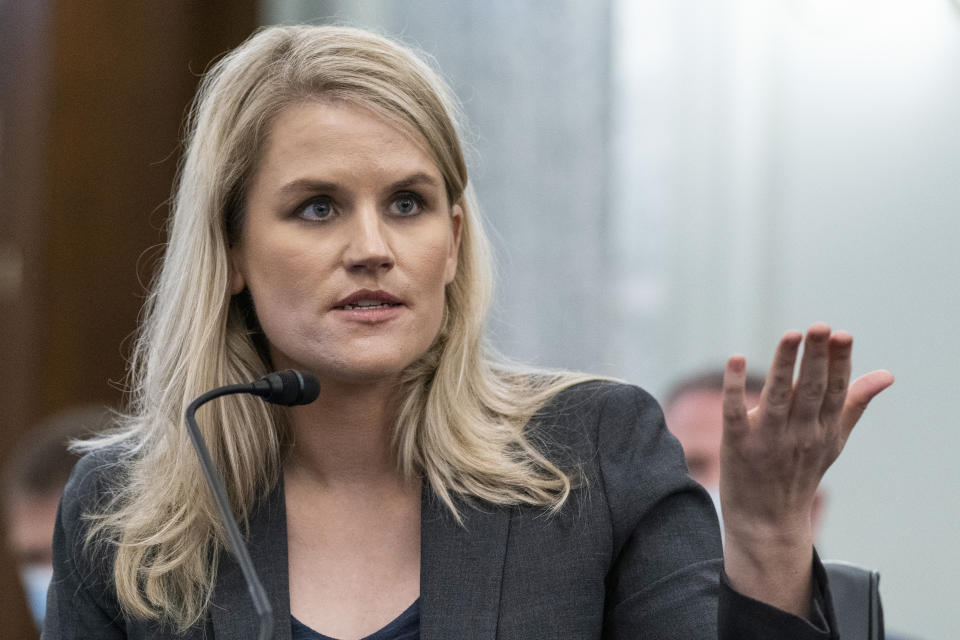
[(257, 593)]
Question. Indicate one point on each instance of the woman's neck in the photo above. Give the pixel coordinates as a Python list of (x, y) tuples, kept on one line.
[(344, 438)]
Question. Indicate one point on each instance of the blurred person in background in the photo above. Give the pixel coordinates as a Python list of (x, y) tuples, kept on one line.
[(33, 479)]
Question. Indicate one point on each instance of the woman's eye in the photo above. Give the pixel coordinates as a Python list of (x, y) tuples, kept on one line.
[(407, 205), (316, 209)]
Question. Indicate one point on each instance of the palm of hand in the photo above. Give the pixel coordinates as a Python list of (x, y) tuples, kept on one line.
[(774, 456)]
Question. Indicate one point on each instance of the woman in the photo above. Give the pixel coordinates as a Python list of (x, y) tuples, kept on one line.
[(323, 221)]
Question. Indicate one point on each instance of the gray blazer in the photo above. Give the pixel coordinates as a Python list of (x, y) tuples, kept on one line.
[(631, 554)]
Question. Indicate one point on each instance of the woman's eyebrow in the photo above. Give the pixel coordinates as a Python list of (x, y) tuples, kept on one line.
[(415, 179), (306, 185)]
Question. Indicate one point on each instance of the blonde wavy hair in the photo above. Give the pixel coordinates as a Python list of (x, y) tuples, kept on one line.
[(461, 424)]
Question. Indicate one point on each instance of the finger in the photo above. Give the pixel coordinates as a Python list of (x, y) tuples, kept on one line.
[(778, 388), (838, 377), (861, 392), (734, 397), (812, 380)]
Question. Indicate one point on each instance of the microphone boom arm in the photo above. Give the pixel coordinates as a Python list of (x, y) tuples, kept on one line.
[(257, 593)]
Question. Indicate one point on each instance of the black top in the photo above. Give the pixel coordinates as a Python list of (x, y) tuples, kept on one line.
[(406, 626)]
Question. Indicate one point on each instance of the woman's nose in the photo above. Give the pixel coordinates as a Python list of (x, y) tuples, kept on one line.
[(368, 248)]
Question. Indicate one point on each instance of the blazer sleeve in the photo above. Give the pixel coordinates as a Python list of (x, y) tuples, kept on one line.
[(665, 581), (80, 600), (743, 617)]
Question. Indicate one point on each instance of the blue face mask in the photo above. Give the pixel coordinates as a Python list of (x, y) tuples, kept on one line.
[(35, 579)]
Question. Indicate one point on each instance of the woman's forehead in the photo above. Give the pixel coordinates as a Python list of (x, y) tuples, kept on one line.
[(342, 139)]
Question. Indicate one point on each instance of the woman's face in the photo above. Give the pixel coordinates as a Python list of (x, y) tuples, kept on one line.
[(347, 244)]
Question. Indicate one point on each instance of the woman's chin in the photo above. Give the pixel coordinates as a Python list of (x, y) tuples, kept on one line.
[(363, 377)]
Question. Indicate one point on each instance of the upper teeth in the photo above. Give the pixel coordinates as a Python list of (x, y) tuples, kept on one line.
[(367, 303)]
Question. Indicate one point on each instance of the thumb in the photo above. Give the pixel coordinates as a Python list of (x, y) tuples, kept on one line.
[(861, 392)]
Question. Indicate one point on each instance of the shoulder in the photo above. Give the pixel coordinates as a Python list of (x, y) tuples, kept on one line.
[(598, 414), (612, 432), (81, 591), (615, 435), (599, 391), (93, 484), (92, 480)]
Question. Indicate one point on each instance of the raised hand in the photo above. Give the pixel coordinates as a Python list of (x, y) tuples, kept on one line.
[(774, 456)]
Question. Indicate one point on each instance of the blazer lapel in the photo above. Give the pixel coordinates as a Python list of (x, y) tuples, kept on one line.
[(232, 612), (461, 569)]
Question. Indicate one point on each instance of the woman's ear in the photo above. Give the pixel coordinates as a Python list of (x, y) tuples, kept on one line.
[(456, 219)]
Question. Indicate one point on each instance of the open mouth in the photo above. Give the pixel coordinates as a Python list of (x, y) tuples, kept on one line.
[(371, 304), (367, 300)]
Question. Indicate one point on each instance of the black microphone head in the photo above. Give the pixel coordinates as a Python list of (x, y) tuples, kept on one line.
[(288, 387)]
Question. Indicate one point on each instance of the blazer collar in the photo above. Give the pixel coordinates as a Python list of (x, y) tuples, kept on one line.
[(232, 611), (461, 570)]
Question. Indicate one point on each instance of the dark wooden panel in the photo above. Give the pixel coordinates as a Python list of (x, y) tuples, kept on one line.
[(92, 96), (24, 44), (118, 102)]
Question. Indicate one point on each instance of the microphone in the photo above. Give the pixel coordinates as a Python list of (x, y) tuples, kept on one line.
[(287, 388)]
